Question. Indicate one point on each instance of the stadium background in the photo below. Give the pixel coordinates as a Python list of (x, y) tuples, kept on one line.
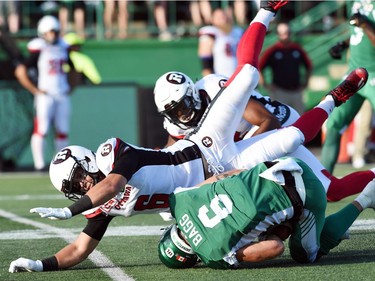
[(122, 106)]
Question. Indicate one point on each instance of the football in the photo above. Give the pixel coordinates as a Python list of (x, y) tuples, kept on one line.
[(283, 231)]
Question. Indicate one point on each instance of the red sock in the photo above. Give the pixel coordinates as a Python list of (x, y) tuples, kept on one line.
[(349, 185), (251, 44), (249, 47), (311, 122)]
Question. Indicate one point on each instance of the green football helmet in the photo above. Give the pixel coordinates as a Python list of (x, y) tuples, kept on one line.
[(174, 252)]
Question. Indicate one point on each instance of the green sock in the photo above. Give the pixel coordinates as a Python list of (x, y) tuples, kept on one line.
[(335, 227)]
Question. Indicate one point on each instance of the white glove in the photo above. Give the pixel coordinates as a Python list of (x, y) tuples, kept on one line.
[(22, 264), (53, 213)]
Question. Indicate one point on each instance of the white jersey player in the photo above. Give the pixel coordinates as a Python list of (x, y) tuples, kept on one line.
[(208, 87), (186, 163), (48, 54), (218, 44), (210, 148)]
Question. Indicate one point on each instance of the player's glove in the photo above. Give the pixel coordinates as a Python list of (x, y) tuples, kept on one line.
[(53, 213), (22, 264), (337, 50), (358, 19)]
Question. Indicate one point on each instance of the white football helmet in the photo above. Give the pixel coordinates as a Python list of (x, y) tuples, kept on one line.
[(70, 166), (177, 99), (210, 85), (48, 23)]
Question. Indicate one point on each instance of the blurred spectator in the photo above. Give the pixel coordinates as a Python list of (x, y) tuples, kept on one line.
[(78, 9), (239, 10), (200, 12), (218, 44), (9, 15), (290, 67), (160, 15), (362, 131), (110, 10)]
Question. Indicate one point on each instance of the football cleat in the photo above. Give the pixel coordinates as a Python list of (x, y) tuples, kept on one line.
[(273, 6), (367, 197), (166, 216), (352, 84)]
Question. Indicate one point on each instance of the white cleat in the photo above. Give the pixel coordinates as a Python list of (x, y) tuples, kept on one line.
[(367, 197), (166, 216)]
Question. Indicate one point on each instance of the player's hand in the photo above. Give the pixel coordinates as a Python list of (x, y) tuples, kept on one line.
[(53, 213), (358, 19), (39, 92), (337, 50), (22, 264)]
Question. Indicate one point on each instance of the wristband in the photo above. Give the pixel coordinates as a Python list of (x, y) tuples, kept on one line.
[(83, 204), (207, 63), (50, 264)]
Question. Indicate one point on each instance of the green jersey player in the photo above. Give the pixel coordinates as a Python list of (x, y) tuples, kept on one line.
[(362, 53), (236, 219)]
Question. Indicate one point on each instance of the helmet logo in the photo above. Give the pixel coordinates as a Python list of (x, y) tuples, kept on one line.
[(207, 141), (180, 258), (176, 78), (222, 82), (169, 252), (107, 148), (61, 156)]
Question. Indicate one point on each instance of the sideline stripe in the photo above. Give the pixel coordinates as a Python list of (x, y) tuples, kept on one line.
[(100, 260)]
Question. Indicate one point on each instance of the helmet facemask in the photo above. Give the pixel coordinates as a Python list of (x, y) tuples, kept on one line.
[(184, 113), (72, 187)]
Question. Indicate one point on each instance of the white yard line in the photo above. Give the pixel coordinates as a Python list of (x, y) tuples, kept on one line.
[(100, 260), (73, 232), (32, 197)]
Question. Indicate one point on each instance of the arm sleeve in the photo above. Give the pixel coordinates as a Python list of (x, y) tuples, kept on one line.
[(32, 60), (97, 226), (207, 63)]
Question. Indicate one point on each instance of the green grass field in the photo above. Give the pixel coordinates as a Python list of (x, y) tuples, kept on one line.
[(128, 251)]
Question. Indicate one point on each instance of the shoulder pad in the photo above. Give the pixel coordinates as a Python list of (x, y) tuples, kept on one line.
[(36, 45), (105, 155), (208, 30), (63, 43), (212, 84)]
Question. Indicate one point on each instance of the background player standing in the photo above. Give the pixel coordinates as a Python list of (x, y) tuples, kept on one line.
[(362, 53), (48, 54)]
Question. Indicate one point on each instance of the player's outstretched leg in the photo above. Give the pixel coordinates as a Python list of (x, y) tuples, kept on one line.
[(347, 88), (311, 121), (338, 223), (367, 197)]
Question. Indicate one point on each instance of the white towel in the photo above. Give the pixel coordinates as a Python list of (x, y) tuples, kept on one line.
[(275, 174)]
